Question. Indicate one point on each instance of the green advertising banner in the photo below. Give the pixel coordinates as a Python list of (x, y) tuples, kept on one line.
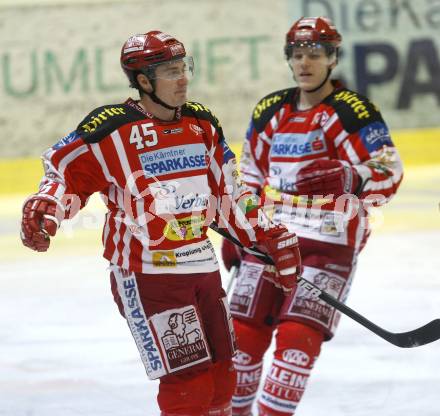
[(59, 61)]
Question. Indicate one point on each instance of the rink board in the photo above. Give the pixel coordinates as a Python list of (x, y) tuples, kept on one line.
[(416, 147)]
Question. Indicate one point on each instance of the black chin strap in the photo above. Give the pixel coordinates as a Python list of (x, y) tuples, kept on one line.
[(157, 100), (329, 71)]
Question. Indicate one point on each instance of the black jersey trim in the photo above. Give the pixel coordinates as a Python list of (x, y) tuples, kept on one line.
[(354, 110), (102, 121), (269, 105)]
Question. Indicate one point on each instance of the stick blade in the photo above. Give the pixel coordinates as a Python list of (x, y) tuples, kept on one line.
[(417, 337)]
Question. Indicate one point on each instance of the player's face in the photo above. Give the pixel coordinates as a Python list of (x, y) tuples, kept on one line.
[(310, 65), (172, 83)]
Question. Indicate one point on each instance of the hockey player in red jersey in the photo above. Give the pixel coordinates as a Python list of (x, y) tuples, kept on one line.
[(164, 170), (322, 154)]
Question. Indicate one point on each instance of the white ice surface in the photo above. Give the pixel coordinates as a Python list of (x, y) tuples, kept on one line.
[(64, 349)]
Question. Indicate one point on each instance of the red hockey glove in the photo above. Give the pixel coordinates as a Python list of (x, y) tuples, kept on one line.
[(231, 254), (324, 177), (282, 247), (42, 215)]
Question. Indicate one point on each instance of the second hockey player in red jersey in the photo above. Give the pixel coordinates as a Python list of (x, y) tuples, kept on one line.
[(322, 154), (164, 170)]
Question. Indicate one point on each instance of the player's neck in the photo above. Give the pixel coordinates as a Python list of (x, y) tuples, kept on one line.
[(311, 99), (156, 109)]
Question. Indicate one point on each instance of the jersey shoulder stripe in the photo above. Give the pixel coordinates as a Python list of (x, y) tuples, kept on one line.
[(102, 121), (354, 110), (269, 105)]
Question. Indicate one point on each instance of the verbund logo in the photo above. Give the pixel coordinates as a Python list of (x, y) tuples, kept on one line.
[(180, 196)]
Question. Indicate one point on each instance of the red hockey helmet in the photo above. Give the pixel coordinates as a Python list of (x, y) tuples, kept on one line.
[(310, 31), (146, 50)]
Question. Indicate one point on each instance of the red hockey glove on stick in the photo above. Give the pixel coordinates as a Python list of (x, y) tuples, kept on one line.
[(42, 215), (282, 247), (231, 254), (324, 177)]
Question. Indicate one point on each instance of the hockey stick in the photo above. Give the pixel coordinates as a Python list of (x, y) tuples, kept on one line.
[(415, 338)]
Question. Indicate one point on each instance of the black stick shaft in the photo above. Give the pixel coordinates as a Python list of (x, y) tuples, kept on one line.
[(417, 337)]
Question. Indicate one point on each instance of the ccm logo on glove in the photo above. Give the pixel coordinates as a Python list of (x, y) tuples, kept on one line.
[(287, 243), (282, 247)]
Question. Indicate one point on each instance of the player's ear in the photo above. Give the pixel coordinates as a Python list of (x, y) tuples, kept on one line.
[(144, 82)]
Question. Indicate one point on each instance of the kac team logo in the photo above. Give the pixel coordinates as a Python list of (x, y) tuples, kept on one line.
[(196, 129), (375, 136), (241, 358), (70, 138), (297, 357)]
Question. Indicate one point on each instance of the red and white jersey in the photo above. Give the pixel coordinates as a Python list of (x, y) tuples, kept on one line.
[(282, 139), (163, 183)]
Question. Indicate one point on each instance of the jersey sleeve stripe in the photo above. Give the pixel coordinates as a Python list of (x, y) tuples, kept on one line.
[(354, 159), (119, 198), (379, 185), (125, 253), (215, 169), (340, 138), (120, 245), (330, 122), (70, 157), (274, 122), (364, 172), (117, 141), (106, 230), (96, 150), (116, 240), (110, 232), (265, 138)]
